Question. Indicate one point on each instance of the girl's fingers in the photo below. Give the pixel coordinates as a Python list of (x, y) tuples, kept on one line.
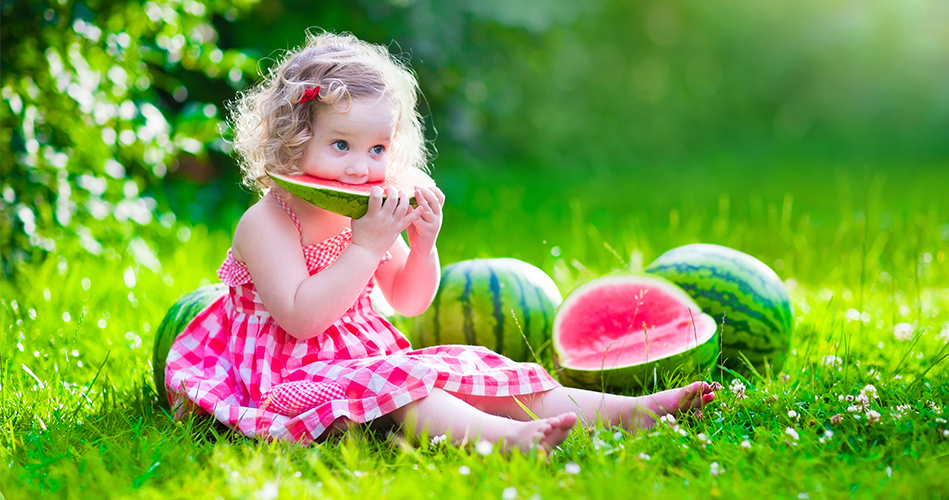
[(392, 200), (432, 197), (440, 196), (424, 205), (375, 200), (408, 219)]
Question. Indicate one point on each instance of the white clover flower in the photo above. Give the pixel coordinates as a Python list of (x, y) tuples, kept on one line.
[(509, 493), (945, 433), (852, 315), (439, 439), (793, 414), (571, 468), (643, 456), (667, 419), (831, 360), (903, 331), (703, 438), (889, 471), (681, 431), (739, 389), (793, 433), (873, 416), (803, 496), (828, 433), (715, 469), (484, 448), (944, 334), (464, 470), (871, 391), (746, 444)]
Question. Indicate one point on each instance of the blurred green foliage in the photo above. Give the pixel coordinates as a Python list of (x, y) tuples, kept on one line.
[(622, 84), (112, 109), (100, 100)]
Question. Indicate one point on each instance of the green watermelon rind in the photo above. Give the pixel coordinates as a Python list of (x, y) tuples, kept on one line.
[(178, 317), (692, 361), (472, 307), (627, 379), (353, 204), (724, 281)]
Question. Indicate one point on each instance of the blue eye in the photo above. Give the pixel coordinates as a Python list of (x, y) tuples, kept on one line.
[(340, 145), (377, 150)]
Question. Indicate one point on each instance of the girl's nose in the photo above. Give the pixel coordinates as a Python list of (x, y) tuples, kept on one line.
[(358, 168)]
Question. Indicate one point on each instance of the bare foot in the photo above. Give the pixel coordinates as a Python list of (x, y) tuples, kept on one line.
[(546, 433), (651, 407)]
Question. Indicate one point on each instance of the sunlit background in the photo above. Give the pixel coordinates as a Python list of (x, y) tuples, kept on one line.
[(113, 111)]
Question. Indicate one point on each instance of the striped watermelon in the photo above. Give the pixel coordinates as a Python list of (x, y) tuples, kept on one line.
[(757, 320), (176, 319), (351, 200), (625, 333), (495, 303)]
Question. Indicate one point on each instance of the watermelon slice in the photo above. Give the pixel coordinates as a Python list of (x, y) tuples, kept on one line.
[(351, 200), (627, 332)]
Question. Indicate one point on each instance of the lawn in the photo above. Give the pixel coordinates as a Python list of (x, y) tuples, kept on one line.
[(859, 410)]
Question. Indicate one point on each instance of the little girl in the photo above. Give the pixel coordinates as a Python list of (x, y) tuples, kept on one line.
[(295, 348)]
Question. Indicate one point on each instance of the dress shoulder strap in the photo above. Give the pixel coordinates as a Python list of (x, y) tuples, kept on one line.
[(293, 216)]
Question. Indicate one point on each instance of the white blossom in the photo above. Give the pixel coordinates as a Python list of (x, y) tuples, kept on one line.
[(571, 468), (793, 433), (715, 469), (903, 331), (831, 360)]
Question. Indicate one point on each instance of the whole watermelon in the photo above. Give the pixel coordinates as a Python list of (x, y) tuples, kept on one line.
[(495, 303), (743, 294), (176, 319)]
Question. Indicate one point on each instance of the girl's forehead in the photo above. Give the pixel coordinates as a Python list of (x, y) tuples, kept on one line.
[(363, 114)]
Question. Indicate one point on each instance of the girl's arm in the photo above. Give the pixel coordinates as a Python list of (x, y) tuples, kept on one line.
[(410, 279), (268, 242)]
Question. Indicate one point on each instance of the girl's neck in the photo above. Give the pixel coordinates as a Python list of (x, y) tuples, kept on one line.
[(318, 224)]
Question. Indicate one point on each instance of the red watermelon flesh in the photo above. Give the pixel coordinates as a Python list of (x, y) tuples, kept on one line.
[(631, 325), (351, 200)]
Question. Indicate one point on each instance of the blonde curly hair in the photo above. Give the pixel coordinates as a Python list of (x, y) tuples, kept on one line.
[(272, 127)]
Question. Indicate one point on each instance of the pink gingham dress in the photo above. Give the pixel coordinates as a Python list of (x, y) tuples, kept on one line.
[(234, 362)]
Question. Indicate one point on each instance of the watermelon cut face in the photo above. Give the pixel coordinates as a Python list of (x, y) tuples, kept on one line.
[(350, 200), (627, 332)]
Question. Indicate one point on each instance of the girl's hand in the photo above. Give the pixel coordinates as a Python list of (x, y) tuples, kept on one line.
[(424, 230), (384, 221)]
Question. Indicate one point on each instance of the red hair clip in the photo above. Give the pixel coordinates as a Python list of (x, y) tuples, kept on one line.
[(310, 94)]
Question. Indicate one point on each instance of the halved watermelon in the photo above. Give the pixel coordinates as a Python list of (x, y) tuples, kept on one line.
[(351, 200), (626, 332)]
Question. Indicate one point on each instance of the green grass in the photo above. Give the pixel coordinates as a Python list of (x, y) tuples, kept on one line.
[(862, 249)]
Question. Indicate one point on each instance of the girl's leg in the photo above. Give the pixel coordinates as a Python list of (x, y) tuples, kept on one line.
[(443, 413), (630, 412)]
